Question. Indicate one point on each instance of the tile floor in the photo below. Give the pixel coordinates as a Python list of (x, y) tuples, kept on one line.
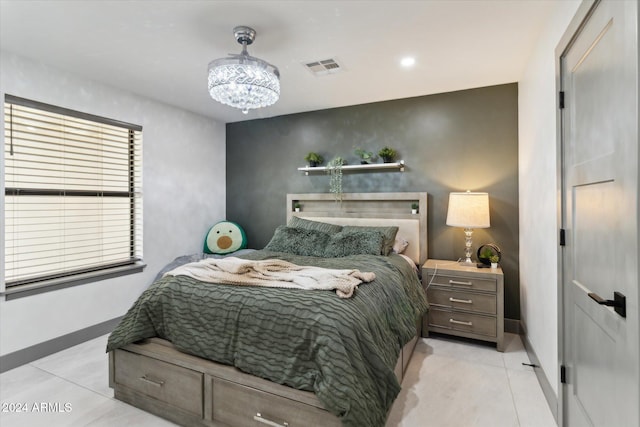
[(450, 383), (453, 383)]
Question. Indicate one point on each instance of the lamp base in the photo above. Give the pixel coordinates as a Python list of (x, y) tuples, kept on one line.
[(466, 261)]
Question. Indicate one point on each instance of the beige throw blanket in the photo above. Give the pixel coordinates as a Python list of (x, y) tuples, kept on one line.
[(273, 273)]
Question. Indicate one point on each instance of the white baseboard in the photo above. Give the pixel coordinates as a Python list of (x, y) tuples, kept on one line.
[(547, 390)]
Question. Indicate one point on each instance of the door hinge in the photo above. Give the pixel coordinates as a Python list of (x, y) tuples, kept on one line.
[(563, 374), (562, 237), (561, 100)]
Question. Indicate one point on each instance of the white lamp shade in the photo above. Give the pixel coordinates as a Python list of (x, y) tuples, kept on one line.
[(468, 210)]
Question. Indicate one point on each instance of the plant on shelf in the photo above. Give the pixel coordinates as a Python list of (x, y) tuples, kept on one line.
[(414, 208), (387, 154), (314, 159), (365, 156), (297, 206), (334, 169)]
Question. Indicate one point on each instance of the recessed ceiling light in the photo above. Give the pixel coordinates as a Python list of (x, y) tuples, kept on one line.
[(408, 61)]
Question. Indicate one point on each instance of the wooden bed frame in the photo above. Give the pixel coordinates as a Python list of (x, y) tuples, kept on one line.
[(191, 391)]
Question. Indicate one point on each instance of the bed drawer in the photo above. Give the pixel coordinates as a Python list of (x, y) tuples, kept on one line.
[(464, 322), (464, 282), (171, 384), (447, 298), (240, 406)]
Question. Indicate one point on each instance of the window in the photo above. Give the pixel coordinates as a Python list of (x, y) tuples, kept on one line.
[(73, 193)]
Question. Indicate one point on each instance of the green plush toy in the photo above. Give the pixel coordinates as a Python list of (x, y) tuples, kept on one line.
[(225, 237)]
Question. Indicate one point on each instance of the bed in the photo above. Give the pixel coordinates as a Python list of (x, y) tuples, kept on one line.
[(222, 355)]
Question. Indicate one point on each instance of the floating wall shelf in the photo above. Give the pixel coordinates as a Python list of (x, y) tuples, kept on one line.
[(398, 166)]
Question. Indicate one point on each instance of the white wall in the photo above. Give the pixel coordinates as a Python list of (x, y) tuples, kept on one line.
[(538, 184), (183, 188)]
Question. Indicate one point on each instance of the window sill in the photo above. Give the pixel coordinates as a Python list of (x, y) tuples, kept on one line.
[(67, 282)]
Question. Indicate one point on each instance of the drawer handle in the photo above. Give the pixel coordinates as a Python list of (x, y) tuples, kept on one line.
[(456, 282), (259, 418), (463, 301), (457, 322), (152, 382)]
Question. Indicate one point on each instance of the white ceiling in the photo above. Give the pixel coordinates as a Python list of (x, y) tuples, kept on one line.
[(161, 49)]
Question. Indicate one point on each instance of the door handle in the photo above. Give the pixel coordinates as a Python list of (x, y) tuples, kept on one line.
[(619, 302)]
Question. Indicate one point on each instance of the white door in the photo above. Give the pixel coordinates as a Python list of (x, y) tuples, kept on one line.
[(600, 348)]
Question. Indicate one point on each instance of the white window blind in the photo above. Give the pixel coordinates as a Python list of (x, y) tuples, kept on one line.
[(73, 192)]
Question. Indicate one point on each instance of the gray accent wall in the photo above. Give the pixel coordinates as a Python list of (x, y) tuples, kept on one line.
[(456, 141)]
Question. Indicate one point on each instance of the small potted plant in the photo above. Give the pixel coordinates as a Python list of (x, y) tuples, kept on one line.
[(494, 261), (365, 156), (387, 154), (486, 251), (314, 159), (297, 206), (485, 254), (414, 208)]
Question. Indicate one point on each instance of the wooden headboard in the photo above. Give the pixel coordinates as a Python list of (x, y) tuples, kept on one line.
[(372, 209)]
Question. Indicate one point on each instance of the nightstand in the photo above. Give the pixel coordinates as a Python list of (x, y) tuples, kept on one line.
[(465, 301)]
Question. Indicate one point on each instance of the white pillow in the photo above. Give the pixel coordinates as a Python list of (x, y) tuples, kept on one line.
[(400, 245)]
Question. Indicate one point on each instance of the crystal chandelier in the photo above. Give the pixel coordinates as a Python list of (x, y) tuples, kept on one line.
[(243, 81)]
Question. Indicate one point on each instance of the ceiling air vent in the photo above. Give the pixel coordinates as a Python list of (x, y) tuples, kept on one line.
[(324, 67)]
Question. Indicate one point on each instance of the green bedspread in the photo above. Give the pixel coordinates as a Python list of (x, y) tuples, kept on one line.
[(344, 350)]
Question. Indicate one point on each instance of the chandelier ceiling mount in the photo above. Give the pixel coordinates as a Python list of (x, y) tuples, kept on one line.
[(243, 81)]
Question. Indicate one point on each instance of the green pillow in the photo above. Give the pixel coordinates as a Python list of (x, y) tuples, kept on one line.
[(389, 234), (357, 242), (298, 241), (297, 222)]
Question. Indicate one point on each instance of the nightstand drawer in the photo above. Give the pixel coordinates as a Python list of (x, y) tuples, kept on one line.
[(462, 282), (465, 322), (447, 298), (465, 301)]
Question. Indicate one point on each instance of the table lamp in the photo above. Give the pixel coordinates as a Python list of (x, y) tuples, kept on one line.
[(468, 210)]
